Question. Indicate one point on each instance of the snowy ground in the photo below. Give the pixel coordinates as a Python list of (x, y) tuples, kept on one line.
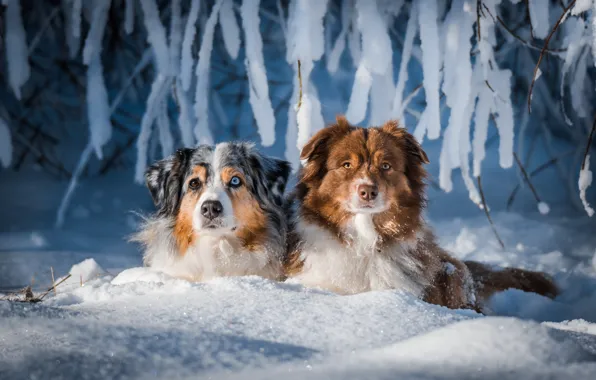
[(127, 322)]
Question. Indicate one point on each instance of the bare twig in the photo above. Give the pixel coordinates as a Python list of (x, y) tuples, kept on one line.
[(546, 42), (588, 144), (526, 177), (488, 213), (299, 88), (53, 287), (535, 172), (53, 280)]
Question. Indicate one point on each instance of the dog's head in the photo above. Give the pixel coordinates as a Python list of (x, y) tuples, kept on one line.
[(352, 170), (227, 189)]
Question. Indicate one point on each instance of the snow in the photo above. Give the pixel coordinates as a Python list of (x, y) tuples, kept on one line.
[(98, 109), (340, 43), (229, 28), (585, 180), (15, 43), (376, 57), (402, 77), (305, 43), (156, 34), (175, 38), (431, 65), (202, 71), (257, 75), (581, 6), (5, 144), (129, 16), (543, 208), (539, 17), (190, 30)]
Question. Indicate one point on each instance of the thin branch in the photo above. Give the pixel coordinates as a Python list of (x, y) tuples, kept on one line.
[(546, 42), (588, 144), (299, 88), (535, 172), (527, 178), (488, 213)]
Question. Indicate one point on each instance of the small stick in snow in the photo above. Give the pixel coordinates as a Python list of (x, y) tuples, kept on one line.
[(488, 213), (299, 88), (53, 280), (546, 42), (52, 288)]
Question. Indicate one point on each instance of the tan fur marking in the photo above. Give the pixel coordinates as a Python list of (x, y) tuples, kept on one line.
[(183, 229), (252, 221)]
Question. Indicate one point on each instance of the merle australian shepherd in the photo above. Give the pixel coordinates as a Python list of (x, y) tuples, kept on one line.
[(358, 224), (219, 213)]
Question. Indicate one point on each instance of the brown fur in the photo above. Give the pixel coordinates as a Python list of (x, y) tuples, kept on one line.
[(324, 187), (183, 230), (248, 212)]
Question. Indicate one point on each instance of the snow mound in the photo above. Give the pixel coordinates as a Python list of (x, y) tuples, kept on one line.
[(144, 324)]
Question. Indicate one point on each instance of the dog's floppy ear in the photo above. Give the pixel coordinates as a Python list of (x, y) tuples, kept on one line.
[(413, 148), (164, 180), (277, 173), (316, 143)]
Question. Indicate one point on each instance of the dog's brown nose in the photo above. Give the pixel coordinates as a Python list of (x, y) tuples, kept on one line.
[(368, 192)]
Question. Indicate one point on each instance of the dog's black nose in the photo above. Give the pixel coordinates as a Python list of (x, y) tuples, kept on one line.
[(211, 209)]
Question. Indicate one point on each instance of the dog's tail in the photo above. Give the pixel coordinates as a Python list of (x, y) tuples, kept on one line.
[(489, 281)]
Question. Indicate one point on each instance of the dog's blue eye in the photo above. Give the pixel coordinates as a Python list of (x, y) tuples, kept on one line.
[(235, 181)]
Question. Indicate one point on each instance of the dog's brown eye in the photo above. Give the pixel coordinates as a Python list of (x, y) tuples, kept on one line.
[(385, 166), (194, 184), (347, 165)]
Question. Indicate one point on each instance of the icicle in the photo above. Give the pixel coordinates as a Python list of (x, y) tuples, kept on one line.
[(229, 28), (539, 18), (185, 116), (72, 42), (411, 30), (5, 144), (347, 7), (292, 153), (504, 119), (93, 42), (156, 34), (354, 41), (189, 35), (202, 132), (16, 48), (376, 57), (98, 109), (77, 7), (457, 85), (163, 124), (158, 92), (485, 99), (594, 32), (431, 64), (464, 155), (585, 180), (175, 38), (306, 43), (380, 97), (257, 77), (129, 16)]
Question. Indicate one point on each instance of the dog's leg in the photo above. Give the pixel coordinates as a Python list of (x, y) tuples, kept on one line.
[(452, 286), (488, 281)]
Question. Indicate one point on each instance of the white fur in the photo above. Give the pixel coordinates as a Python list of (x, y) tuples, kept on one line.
[(360, 266), (217, 253)]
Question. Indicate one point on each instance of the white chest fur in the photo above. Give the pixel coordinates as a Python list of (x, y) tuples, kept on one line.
[(359, 266), (211, 256)]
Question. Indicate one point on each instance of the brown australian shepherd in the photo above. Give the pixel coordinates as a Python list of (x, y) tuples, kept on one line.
[(358, 224)]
